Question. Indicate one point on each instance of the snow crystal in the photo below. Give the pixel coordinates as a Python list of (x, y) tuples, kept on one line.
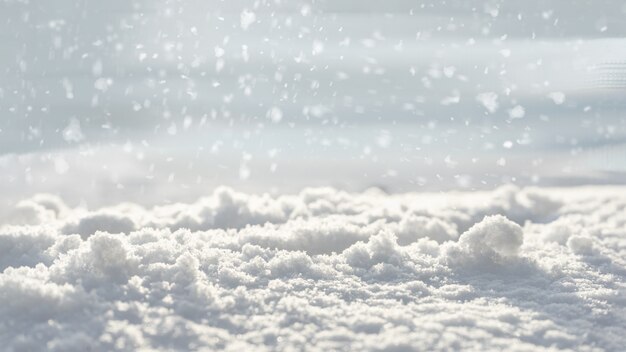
[(275, 114), (489, 100), (247, 19), (73, 132), (517, 112), (557, 97)]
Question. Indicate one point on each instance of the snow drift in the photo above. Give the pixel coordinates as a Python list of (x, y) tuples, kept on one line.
[(515, 269)]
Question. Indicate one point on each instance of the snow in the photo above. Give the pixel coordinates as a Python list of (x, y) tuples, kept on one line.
[(73, 133), (557, 97), (236, 175), (515, 269), (489, 100), (517, 112), (247, 19)]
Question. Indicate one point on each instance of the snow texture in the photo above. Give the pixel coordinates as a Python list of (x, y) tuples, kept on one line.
[(515, 269)]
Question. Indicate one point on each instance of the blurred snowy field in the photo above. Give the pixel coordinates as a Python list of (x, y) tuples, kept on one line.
[(513, 269), (113, 101), (312, 175)]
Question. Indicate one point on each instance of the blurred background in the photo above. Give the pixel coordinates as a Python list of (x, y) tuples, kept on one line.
[(161, 101)]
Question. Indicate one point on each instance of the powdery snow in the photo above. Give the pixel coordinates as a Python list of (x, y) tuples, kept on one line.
[(514, 269)]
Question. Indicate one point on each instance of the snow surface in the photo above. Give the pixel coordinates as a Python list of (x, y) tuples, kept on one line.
[(514, 269)]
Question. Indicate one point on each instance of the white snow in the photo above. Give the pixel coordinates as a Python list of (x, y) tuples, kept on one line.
[(557, 97), (73, 132), (489, 100), (121, 119), (517, 112), (514, 269), (275, 114), (247, 19)]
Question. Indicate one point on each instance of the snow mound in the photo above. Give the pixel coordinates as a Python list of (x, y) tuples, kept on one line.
[(489, 243), (495, 234), (523, 269)]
